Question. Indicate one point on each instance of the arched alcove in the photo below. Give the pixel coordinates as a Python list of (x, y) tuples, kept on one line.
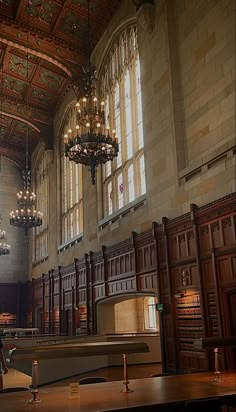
[(135, 313)]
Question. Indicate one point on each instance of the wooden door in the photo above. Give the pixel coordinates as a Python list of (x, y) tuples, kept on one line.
[(229, 319)]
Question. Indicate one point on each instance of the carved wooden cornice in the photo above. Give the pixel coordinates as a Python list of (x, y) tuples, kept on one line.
[(224, 206)]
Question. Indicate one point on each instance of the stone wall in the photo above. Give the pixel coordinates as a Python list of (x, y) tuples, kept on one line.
[(188, 92), (12, 266)]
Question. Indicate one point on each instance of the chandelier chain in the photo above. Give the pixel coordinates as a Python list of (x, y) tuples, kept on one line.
[(90, 143), (26, 216)]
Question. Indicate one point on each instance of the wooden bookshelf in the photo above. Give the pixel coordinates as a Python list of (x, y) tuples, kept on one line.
[(7, 320), (189, 321), (212, 314)]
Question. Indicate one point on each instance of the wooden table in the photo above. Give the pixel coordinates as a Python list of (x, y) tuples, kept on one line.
[(149, 394)]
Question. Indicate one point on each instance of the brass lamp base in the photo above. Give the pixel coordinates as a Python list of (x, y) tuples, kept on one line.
[(34, 397), (217, 377), (126, 388)]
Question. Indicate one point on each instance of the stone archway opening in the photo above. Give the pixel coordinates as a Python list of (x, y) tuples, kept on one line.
[(128, 314)]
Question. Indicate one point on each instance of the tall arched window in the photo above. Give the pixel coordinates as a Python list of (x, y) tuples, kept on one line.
[(72, 200), (40, 243), (124, 178)]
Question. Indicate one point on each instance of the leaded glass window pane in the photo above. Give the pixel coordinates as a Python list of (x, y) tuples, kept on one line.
[(128, 118), (120, 190), (131, 189), (72, 202), (142, 175), (109, 197), (117, 123), (139, 104)]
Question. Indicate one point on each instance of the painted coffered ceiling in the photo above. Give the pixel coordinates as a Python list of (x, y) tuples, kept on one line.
[(54, 35)]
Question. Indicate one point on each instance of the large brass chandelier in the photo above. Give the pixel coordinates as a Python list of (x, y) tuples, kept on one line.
[(4, 246), (90, 143), (26, 216)]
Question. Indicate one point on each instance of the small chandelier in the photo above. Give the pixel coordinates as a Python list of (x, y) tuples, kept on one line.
[(4, 247), (26, 215), (90, 143)]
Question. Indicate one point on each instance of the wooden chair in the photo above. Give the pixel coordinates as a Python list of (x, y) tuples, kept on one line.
[(92, 379), (203, 405)]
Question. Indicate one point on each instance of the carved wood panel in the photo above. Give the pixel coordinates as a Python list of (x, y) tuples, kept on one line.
[(122, 286), (205, 244), (146, 259), (208, 276), (161, 251), (228, 230), (82, 277), (147, 282), (191, 243), (229, 305), (38, 290), (225, 270), (99, 272), (56, 301), (46, 303), (56, 284), (99, 292), (120, 265), (68, 281), (67, 298), (82, 296)]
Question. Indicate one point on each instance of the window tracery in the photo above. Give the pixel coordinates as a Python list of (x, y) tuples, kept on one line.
[(124, 178), (72, 197)]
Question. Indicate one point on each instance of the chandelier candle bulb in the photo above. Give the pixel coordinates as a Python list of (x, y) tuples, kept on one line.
[(95, 100), (4, 247)]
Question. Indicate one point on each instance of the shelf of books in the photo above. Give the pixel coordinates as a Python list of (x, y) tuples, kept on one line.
[(7, 320), (189, 321), (212, 314)]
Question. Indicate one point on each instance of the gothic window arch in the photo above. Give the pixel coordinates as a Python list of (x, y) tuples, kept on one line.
[(41, 183), (72, 193), (124, 178)]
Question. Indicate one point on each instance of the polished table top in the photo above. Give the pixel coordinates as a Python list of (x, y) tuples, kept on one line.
[(159, 391)]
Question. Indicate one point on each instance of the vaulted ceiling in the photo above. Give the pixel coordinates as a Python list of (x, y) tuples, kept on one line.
[(54, 34)]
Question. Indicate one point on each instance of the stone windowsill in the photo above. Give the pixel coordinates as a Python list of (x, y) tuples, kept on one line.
[(39, 261), (124, 211), (205, 164), (74, 241)]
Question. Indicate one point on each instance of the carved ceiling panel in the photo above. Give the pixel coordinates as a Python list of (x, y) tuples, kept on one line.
[(53, 34)]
